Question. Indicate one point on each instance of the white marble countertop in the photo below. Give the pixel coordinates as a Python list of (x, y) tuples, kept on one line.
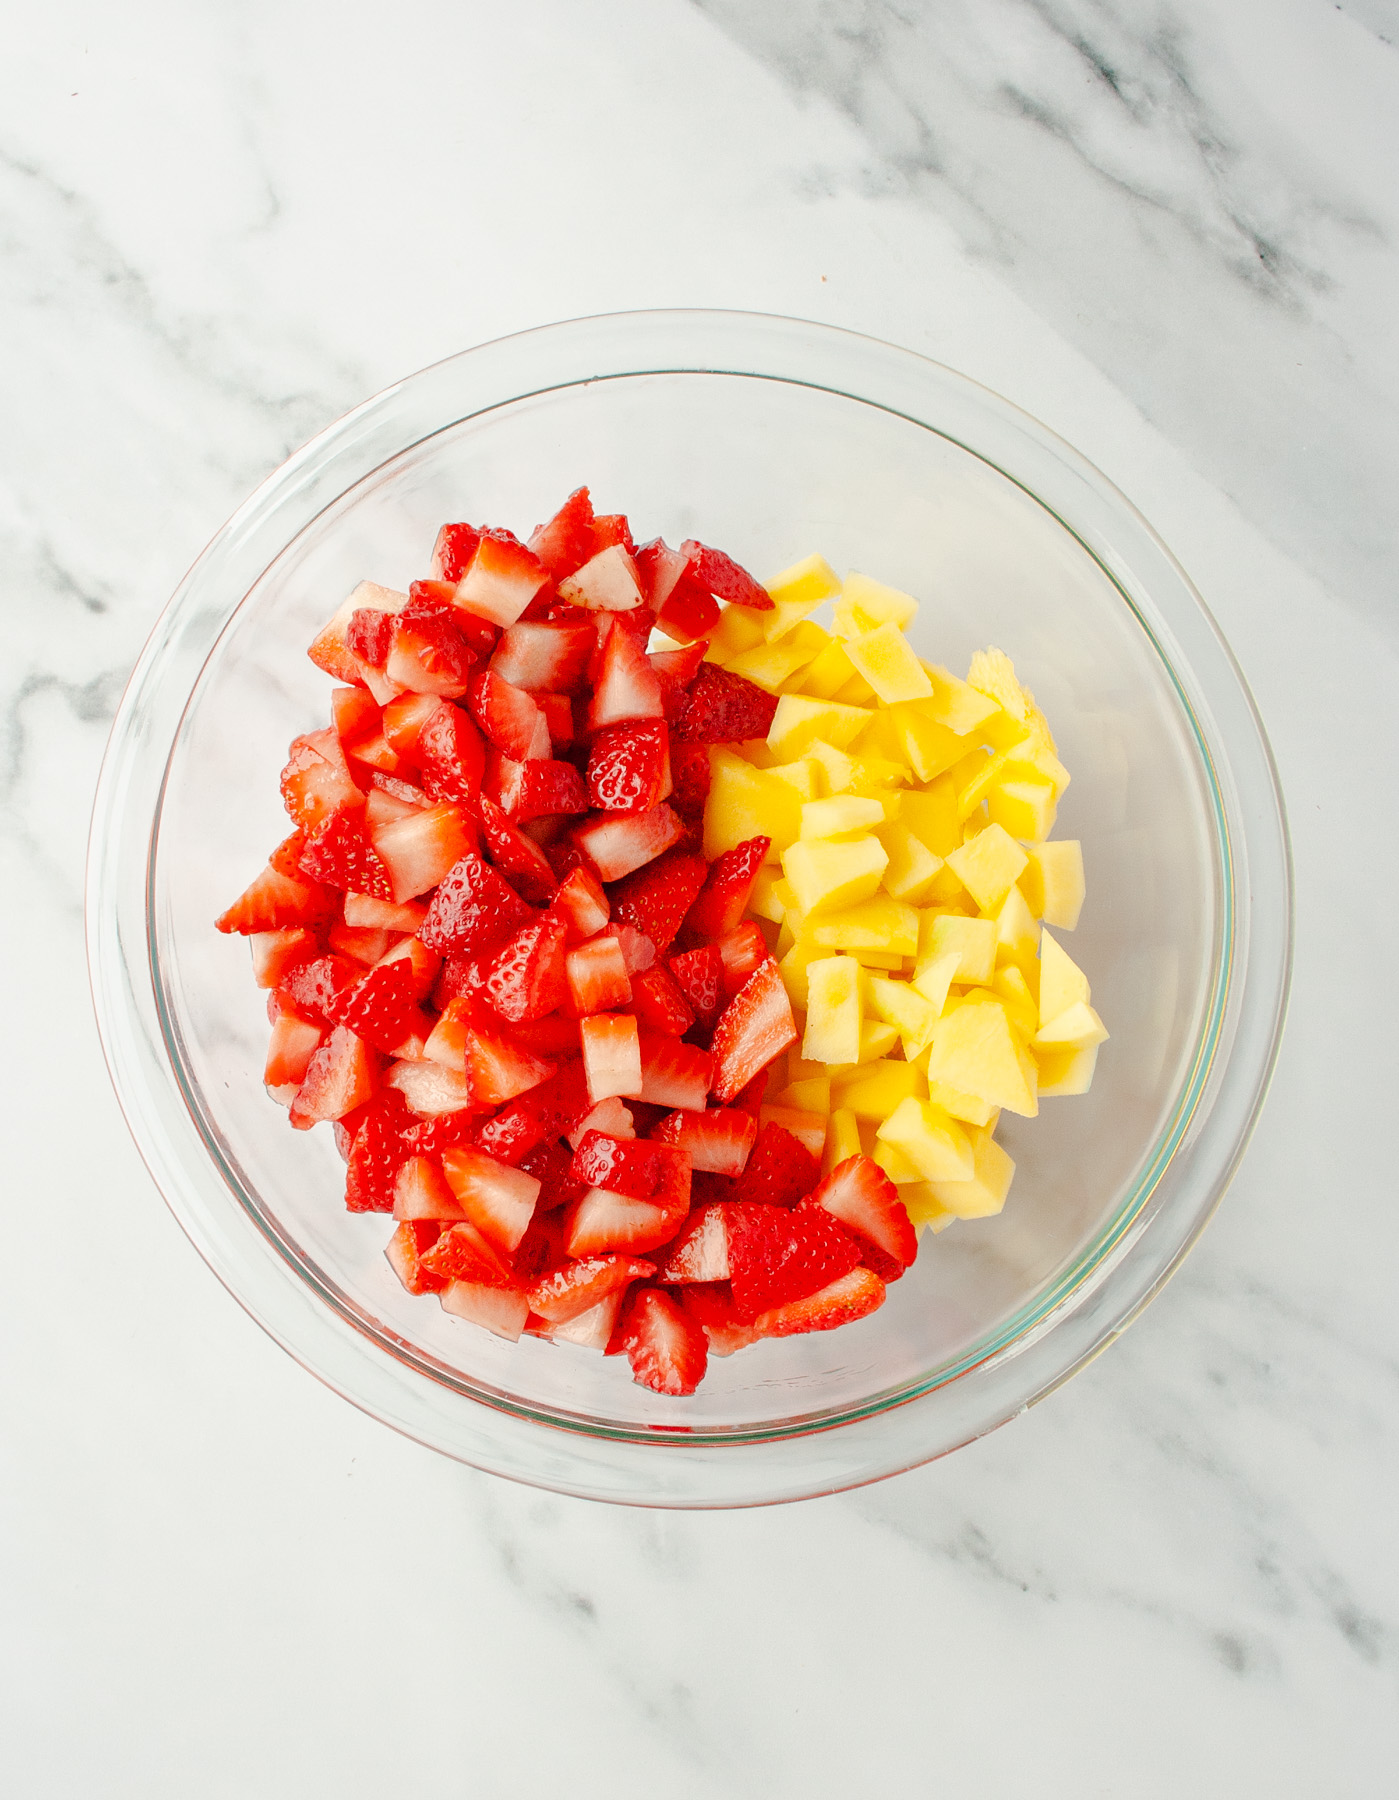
[(1166, 227)]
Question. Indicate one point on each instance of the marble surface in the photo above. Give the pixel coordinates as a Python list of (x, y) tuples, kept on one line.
[(1170, 231)]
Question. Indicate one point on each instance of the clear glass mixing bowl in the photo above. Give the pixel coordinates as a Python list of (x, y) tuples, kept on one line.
[(772, 438)]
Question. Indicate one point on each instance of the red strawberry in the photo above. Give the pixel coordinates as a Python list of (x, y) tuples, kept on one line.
[(660, 568), (473, 908), (542, 1248), (404, 719), (711, 1305), (354, 713), (444, 1131), (756, 1026), (677, 669), (517, 857), (635, 1167), (566, 542), (617, 843), (689, 771), (656, 897), (544, 659), (275, 953), (428, 1087), (526, 979), (421, 961), (552, 1165), (727, 887), (780, 1169), (451, 755), (405, 1254), (611, 1055), (607, 582), (379, 1007), (464, 1253), (421, 849), (276, 902), (720, 707), (341, 1075), (666, 1348), (841, 1302), (316, 781), (659, 1004), (673, 1073), (545, 1112), (377, 1154), (638, 952), (628, 766), (597, 977), (453, 551), (502, 579), (509, 717), (609, 1116), (430, 652), (718, 1142), (700, 976), (498, 1200), (339, 853), (742, 952), (501, 1310), (558, 716), (421, 1192), (498, 1070), (627, 687), (720, 574), (564, 1293), (554, 1037), (690, 613), (537, 789), (701, 1250), (778, 1254), (286, 858), (369, 634), (314, 987), (612, 528), (292, 1044), (866, 1202), (582, 904), (330, 651), (603, 1221)]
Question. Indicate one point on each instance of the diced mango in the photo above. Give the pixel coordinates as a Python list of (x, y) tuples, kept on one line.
[(877, 1039), (1025, 809), (1033, 759), (881, 742), (842, 1139), (912, 866), (793, 964), (881, 924), (812, 1096), (955, 704), (803, 775), (985, 1193), (970, 1108), (855, 692), (988, 866), (885, 658), (1013, 991), (974, 1050), (739, 629), (1078, 1027), (745, 802), (832, 1011), (934, 1143), (933, 977), (1064, 1072), (873, 603), (893, 1161), (830, 875), (924, 1209), (770, 665), (802, 718), (762, 902), (993, 673), (1017, 932), (843, 815), (873, 1090), (974, 940), (902, 1006), (796, 592), (825, 675), (1062, 983), (932, 814), (1053, 881), (928, 747)]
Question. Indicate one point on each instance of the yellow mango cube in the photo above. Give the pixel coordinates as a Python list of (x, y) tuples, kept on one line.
[(881, 742), (793, 964), (1078, 1027), (842, 1139), (873, 1090), (1013, 991), (827, 673), (975, 1050), (912, 865), (1017, 932), (1025, 809), (985, 1193), (988, 866), (971, 1109), (955, 704), (974, 940), (931, 1139), (894, 1163), (1032, 759), (843, 815), (932, 814), (902, 1006), (882, 925), (877, 1039), (924, 1209), (829, 875), (802, 718), (832, 1011), (856, 691), (796, 592), (1062, 983), (739, 629), (885, 658), (770, 665), (803, 775), (745, 802), (873, 603), (1053, 881), (762, 902), (927, 747), (933, 976), (1064, 1072), (812, 1096)]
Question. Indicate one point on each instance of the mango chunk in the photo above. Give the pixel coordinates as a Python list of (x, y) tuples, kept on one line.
[(924, 1209), (1078, 1027), (1062, 983), (932, 814), (892, 1160), (882, 925), (1017, 933), (842, 1139), (1064, 1072), (927, 746), (745, 802), (901, 1005), (1053, 881), (873, 1090), (739, 629), (885, 658), (802, 718), (934, 976), (975, 1050), (825, 675), (877, 1039), (830, 875), (811, 1096), (872, 603), (807, 1128), (770, 665), (1025, 809), (971, 1109), (931, 1139), (796, 592), (843, 815), (955, 703), (988, 866), (803, 775), (1013, 991), (832, 1011), (762, 902), (985, 1193), (974, 940), (912, 865)]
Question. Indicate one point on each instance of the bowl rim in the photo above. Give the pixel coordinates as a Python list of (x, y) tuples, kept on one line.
[(1201, 1143)]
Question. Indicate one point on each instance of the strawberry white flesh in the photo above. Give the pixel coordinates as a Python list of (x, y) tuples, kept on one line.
[(611, 1055), (616, 846), (419, 850), (498, 1200), (429, 1087), (608, 582), (717, 1141), (500, 1310)]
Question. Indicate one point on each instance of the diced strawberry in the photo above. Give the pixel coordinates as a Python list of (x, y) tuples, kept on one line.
[(294, 1041), (341, 1075), (552, 1166), (777, 1254), (861, 1196), (286, 858), (368, 636), (720, 707), (674, 1073), (603, 1221), (474, 907), (498, 1199), (564, 1293), (517, 857), (590, 1330), (627, 686), (727, 889), (382, 809), (542, 659), (700, 976), (404, 719), (451, 756), (498, 1069), (361, 945), (660, 568), (277, 952), (607, 582), (453, 551), (659, 1004), (371, 754), (316, 780), (554, 1037), (526, 979), (480, 635), (502, 578), (537, 789), (711, 1305), (354, 713), (430, 652), (617, 844), (558, 716), (677, 668), (446, 1043), (543, 1248), (339, 853), (405, 1253), (637, 1167), (278, 902), (690, 774), (701, 1250), (666, 1348), (330, 650), (582, 904), (611, 1055), (465, 1253), (809, 1129), (629, 766), (638, 952), (501, 1310), (719, 574), (313, 987), (610, 1116), (508, 716), (612, 528), (718, 1141), (690, 613), (376, 1155), (742, 952), (756, 1026), (597, 977), (780, 1169), (850, 1297), (423, 849), (750, 1099), (545, 1112), (379, 1007), (423, 963), (656, 897), (364, 913), (443, 1131), (566, 542), (429, 1087)]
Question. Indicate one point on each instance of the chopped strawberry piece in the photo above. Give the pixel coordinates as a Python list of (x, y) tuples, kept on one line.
[(451, 756), (379, 1007), (508, 716), (537, 789), (777, 1254), (314, 986), (636, 1167), (316, 780), (474, 907), (354, 713), (566, 542), (674, 1073), (718, 1141), (421, 961), (275, 953), (464, 1253), (443, 1131), (611, 1055), (554, 1037), (638, 952), (861, 1196), (431, 652), (615, 844), (526, 979), (428, 1087), (659, 1004), (286, 858), (564, 1293), (330, 650), (629, 766), (294, 1041), (780, 1170), (627, 687), (545, 1112), (711, 1305), (544, 659), (609, 1116), (364, 913), (421, 850), (690, 613), (660, 568), (502, 578), (607, 582), (544, 1245), (720, 574), (552, 1166), (677, 668), (742, 952), (558, 717), (756, 1026), (339, 853), (597, 977), (850, 1297), (369, 635), (603, 1221), (612, 528), (666, 1348), (656, 897), (405, 1254), (277, 902), (727, 889), (453, 551), (341, 1075), (498, 1199), (376, 1155), (690, 774), (404, 719), (720, 707), (501, 1310), (517, 857), (700, 975), (498, 1069), (582, 904), (701, 1251)]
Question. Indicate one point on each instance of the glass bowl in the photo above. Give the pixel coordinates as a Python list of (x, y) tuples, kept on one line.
[(772, 438)]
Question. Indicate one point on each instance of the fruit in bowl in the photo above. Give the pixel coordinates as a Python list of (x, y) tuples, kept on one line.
[(662, 960)]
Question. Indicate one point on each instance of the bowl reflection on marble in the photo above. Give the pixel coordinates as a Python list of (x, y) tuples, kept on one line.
[(773, 438)]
